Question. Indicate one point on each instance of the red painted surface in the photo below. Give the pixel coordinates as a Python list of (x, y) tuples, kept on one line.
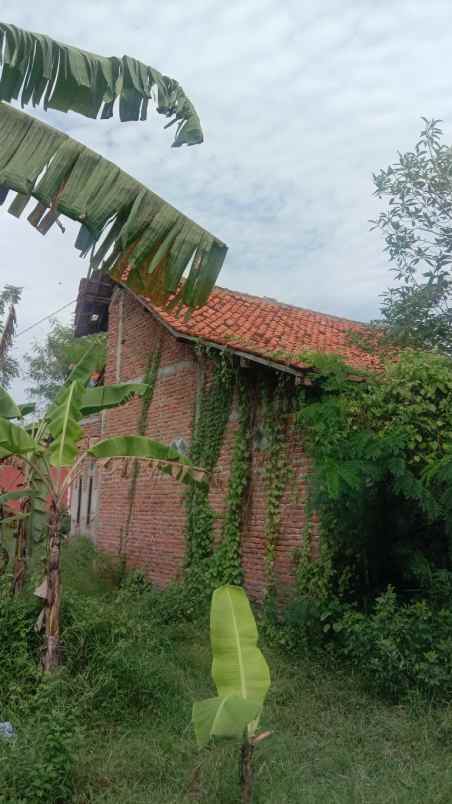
[(11, 479)]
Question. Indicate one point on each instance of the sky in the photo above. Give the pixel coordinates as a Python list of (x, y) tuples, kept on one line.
[(300, 103)]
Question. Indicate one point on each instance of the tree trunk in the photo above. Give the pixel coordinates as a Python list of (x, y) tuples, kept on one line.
[(246, 770), (20, 561), (51, 658)]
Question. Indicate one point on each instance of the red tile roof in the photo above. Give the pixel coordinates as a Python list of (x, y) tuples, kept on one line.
[(268, 329)]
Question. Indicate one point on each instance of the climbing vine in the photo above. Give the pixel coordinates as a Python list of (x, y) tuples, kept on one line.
[(276, 470), (227, 567), (210, 423), (150, 379)]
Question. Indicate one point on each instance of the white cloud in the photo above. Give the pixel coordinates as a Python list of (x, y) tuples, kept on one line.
[(300, 102)]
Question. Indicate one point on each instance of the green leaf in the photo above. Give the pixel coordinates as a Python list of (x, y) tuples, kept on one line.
[(14, 440), (14, 518), (37, 68), (62, 422), (141, 230), (166, 459), (37, 525), (26, 407), (223, 717), (8, 408), (85, 366), (16, 495), (110, 396), (238, 668)]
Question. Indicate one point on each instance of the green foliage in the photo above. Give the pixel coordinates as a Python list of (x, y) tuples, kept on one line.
[(332, 740), (276, 470), (239, 670), (417, 231), (150, 378), (8, 408), (119, 217), (227, 567), (18, 645), (39, 764), (89, 83), (9, 368), (49, 362), (400, 647), (86, 571), (371, 444), (208, 432)]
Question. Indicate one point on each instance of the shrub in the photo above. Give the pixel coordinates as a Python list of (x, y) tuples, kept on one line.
[(116, 654), (38, 765), (18, 650), (400, 647)]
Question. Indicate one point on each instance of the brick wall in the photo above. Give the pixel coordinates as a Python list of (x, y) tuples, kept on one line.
[(154, 530)]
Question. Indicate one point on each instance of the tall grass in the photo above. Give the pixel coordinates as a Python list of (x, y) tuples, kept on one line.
[(114, 725)]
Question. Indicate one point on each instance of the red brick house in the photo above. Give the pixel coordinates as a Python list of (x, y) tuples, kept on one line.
[(262, 336)]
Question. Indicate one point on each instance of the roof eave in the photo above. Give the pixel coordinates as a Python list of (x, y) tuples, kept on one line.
[(182, 336)]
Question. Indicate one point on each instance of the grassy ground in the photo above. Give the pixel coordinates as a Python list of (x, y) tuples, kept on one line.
[(330, 743), (132, 690)]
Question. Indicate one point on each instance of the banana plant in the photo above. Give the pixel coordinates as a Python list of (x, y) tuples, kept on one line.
[(129, 231), (242, 679), (53, 445)]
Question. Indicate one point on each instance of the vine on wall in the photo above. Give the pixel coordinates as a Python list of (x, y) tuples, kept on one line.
[(150, 379), (227, 566), (208, 433), (276, 470)]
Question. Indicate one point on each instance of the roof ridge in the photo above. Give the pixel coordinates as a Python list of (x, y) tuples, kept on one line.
[(287, 306)]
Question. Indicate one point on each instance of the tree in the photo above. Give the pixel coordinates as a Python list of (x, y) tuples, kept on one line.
[(53, 444), (9, 297), (127, 230), (50, 362), (417, 226)]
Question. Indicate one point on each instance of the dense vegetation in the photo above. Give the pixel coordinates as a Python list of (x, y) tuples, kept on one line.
[(114, 725), (416, 226)]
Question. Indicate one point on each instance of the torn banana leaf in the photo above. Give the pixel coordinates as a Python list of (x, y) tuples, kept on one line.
[(129, 231), (38, 70)]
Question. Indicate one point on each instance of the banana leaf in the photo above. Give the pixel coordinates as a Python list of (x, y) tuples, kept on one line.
[(41, 71), (26, 407), (15, 495), (223, 717), (38, 522), (63, 424), (14, 440), (165, 459), (129, 231), (8, 408), (106, 397), (239, 669)]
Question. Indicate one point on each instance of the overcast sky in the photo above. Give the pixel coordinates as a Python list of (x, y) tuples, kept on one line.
[(300, 102)]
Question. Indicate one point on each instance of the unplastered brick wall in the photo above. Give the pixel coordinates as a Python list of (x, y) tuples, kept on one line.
[(150, 535)]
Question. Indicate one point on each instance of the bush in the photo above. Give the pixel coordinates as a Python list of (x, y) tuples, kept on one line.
[(18, 650), (397, 647), (116, 654), (38, 765), (400, 647)]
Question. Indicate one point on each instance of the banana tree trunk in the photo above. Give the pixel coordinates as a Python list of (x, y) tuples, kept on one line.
[(20, 561), (246, 770), (51, 658)]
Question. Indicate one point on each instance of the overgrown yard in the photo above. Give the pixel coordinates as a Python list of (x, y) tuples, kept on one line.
[(114, 726)]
